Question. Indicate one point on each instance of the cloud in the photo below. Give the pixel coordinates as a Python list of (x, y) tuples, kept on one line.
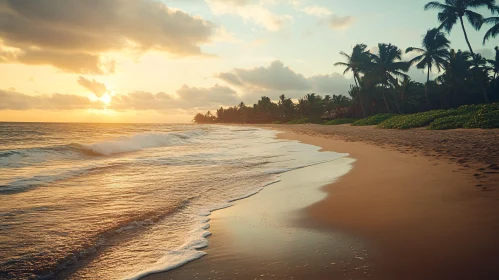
[(276, 76), (325, 15), (330, 84), (277, 79), (73, 35), (487, 53), (251, 11), (206, 97), (338, 22), (317, 11), (141, 100), (99, 89), (185, 98), (12, 100)]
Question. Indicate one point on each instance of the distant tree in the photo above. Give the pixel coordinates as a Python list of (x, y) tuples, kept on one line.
[(286, 108), (409, 93), (457, 71), (387, 67), (356, 63), (494, 64), (435, 53)]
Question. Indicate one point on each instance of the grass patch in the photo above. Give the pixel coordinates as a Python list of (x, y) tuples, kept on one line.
[(340, 121), (468, 116), (450, 122), (484, 118), (300, 121), (374, 120)]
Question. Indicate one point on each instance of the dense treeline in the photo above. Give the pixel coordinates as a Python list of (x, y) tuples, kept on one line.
[(381, 83)]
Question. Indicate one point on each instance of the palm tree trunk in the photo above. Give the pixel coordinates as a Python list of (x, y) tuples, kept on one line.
[(426, 88), (474, 59), (386, 102), (466, 37), (360, 96)]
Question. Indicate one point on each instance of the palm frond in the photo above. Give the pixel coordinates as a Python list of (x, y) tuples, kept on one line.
[(448, 20), (413, 49), (436, 6), (491, 33), (475, 19)]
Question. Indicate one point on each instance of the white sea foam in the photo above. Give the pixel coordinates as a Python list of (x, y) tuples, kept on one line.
[(140, 141), (211, 166)]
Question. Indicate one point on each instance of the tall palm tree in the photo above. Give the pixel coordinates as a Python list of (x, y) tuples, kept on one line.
[(434, 53), (387, 66), (494, 30), (454, 10), (356, 63)]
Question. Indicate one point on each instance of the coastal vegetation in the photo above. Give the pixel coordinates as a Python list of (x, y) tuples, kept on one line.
[(459, 92)]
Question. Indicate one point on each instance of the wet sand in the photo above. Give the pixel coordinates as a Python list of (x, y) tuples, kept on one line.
[(400, 213)]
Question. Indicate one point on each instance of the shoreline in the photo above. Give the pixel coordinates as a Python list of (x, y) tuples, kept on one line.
[(424, 215)]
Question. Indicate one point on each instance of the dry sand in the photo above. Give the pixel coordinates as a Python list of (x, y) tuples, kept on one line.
[(412, 197)]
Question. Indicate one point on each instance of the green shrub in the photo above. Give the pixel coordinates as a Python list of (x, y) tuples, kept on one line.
[(450, 122), (374, 120), (417, 120), (340, 121), (467, 116), (484, 119), (300, 121)]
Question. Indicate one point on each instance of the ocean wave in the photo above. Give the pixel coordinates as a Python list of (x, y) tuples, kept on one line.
[(50, 263), (137, 142), (124, 144), (52, 176)]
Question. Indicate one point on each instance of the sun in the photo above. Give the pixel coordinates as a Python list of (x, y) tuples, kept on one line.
[(106, 99)]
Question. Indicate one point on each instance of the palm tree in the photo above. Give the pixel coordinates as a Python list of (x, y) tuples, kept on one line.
[(494, 30), (433, 54), (456, 71), (494, 63), (386, 66), (409, 92), (454, 10), (356, 63)]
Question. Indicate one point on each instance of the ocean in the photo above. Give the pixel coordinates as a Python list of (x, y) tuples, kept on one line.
[(119, 201)]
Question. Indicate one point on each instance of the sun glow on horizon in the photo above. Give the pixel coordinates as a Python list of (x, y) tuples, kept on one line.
[(106, 99)]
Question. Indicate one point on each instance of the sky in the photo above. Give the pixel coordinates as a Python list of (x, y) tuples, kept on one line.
[(163, 61)]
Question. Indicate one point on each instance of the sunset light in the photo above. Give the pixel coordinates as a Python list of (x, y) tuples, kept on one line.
[(106, 98), (249, 139)]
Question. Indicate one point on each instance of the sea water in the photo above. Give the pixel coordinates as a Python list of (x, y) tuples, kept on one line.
[(119, 201)]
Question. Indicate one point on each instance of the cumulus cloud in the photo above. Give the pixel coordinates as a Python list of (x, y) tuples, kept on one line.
[(186, 98), (277, 79), (141, 100), (12, 100), (72, 35), (206, 97), (330, 84), (251, 11), (276, 76), (99, 89), (325, 15)]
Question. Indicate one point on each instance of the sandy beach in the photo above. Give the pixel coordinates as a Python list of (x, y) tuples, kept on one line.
[(416, 205)]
